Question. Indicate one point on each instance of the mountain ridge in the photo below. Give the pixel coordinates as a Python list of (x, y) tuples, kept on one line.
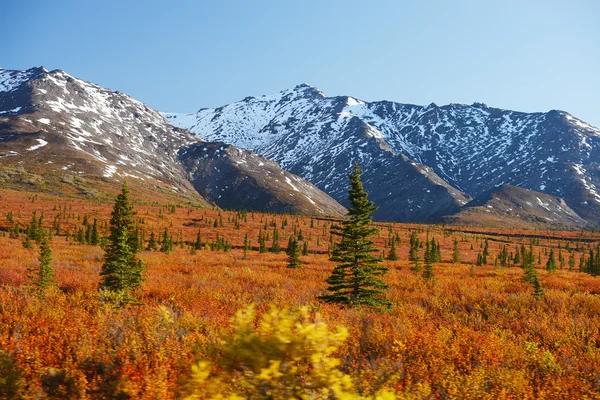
[(61, 133), (471, 148)]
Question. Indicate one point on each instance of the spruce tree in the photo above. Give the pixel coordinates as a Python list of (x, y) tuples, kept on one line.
[(293, 252), (198, 243), (455, 253), (262, 243), (355, 280), (121, 272), (414, 247), (551, 263), (43, 275), (393, 256), (95, 236), (538, 291), (428, 270), (166, 245), (246, 246), (275, 248), (152, 245)]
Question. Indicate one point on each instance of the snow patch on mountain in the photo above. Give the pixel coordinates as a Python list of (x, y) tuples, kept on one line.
[(41, 143)]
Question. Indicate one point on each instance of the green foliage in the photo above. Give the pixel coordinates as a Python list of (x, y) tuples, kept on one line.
[(293, 252), (538, 291), (305, 249), (34, 230), (166, 244), (275, 247), (551, 263), (455, 252), (428, 273), (121, 272), (246, 246), (152, 244), (593, 262), (11, 382), (392, 255), (198, 242), (42, 277), (94, 236), (414, 247), (527, 264), (503, 257), (355, 280), (262, 242), (28, 243)]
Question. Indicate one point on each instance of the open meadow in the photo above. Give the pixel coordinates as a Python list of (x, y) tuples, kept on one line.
[(474, 331)]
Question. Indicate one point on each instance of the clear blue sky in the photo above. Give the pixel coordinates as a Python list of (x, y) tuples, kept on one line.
[(526, 55)]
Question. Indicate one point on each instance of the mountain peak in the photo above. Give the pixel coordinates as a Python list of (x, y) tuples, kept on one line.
[(308, 90)]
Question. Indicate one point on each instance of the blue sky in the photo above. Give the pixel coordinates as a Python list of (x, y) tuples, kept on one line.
[(183, 55)]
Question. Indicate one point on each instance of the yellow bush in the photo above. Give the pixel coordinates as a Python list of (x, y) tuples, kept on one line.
[(289, 355)]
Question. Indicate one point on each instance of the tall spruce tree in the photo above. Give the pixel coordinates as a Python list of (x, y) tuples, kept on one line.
[(356, 279), (121, 272)]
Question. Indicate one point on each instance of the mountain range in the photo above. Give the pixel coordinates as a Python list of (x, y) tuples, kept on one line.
[(63, 135), (420, 162), (292, 152)]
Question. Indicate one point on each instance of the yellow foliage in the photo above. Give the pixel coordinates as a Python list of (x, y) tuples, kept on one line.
[(289, 355)]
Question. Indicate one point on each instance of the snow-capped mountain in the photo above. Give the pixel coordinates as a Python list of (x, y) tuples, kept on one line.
[(462, 150), (62, 134), (56, 124)]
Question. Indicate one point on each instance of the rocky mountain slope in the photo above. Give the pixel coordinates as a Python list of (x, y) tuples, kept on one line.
[(468, 149), (69, 132), (239, 179), (508, 205), (64, 135)]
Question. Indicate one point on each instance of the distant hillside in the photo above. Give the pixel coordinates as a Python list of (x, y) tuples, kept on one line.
[(239, 179), (516, 207)]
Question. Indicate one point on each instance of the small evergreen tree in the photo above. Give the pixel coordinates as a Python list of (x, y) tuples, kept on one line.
[(538, 291), (198, 243), (262, 243), (305, 249), (152, 244), (428, 271), (43, 275), (455, 253), (551, 264), (95, 236), (355, 280), (121, 272), (393, 256), (166, 245), (246, 246), (293, 252), (275, 248)]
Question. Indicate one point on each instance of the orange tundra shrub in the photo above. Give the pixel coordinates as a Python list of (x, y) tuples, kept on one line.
[(478, 332)]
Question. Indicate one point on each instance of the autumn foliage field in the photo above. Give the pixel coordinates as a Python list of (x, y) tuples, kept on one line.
[(475, 331)]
